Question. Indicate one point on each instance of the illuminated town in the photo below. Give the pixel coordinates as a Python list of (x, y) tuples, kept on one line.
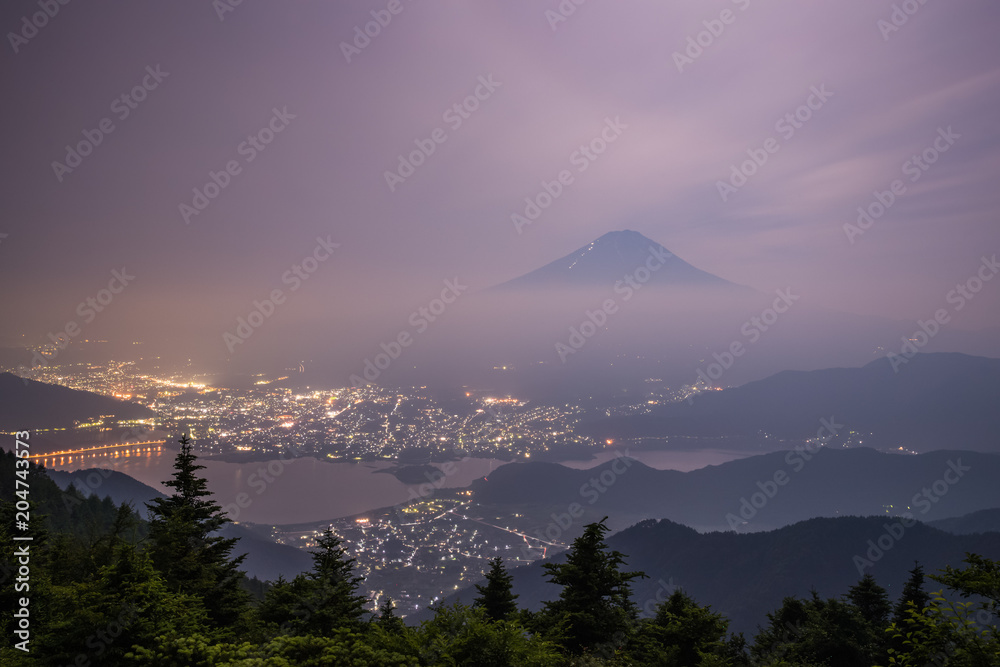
[(447, 539), (439, 533), (367, 423)]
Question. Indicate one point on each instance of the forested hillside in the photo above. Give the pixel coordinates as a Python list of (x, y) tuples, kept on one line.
[(98, 586)]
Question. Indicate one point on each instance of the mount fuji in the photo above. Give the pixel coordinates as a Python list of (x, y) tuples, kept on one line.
[(607, 259)]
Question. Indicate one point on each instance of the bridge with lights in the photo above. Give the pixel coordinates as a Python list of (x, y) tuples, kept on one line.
[(114, 450)]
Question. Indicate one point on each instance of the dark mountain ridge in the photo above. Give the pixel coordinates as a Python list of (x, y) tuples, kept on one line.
[(983, 521), (755, 493), (29, 404), (746, 576), (933, 401)]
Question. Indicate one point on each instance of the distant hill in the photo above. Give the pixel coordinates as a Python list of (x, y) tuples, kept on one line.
[(28, 404), (935, 401), (120, 487), (745, 494), (746, 576), (983, 521), (265, 559), (608, 258)]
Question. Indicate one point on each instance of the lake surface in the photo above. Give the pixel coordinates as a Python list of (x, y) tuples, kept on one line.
[(307, 489)]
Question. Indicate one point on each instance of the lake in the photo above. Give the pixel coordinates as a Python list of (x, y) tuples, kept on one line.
[(307, 489)]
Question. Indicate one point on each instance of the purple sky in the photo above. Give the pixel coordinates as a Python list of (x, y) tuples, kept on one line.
[(323, 174)]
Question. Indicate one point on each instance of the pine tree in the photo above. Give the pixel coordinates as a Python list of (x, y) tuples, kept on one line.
[(387, 619), (463, 635), (872, 604), (779, 637), (334, 585), (815, 632), (186, 549), (913, 591), (871, 601), (496, 597), (681, 633), (127, 604), (594, 609), (320, 600), (279, 605), (913, 599)]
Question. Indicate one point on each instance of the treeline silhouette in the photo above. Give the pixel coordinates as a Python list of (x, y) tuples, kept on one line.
[(109, 588)]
